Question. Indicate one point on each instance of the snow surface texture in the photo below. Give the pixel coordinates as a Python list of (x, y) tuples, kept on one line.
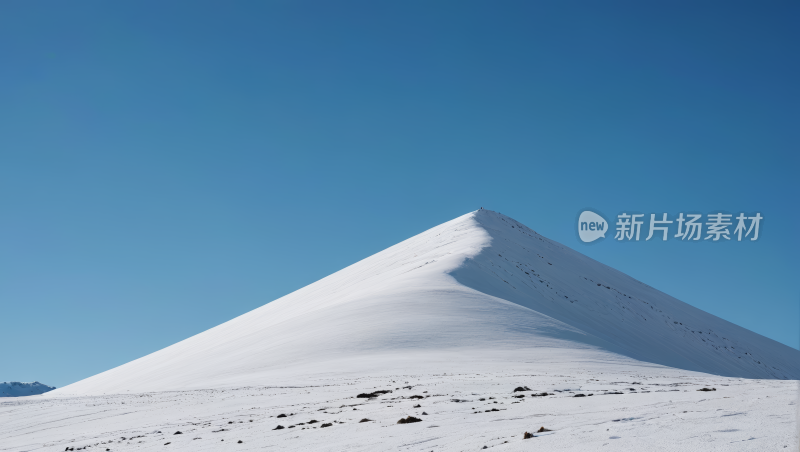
[(17, 389), (465, 311)]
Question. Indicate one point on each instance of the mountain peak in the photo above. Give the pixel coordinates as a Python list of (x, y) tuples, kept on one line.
[(481, 285)]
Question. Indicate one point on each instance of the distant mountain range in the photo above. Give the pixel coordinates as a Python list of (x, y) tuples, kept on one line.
[(18, 389)]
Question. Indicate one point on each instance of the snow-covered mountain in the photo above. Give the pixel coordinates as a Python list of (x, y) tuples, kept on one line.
[(479, 288), (18, 389)]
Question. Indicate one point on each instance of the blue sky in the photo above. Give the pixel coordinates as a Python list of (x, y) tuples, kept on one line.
[(165, 167)]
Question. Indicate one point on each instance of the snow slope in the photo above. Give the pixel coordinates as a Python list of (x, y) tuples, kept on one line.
[(17, 389), (467, 291)]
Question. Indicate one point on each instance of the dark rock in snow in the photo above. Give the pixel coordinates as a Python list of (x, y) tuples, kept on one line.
[(325, 425), (542, 430), (280, 427), (707, 389), (521, 388), (373, 394), (281, 415), (409, 420), (365, 420), (528, 435)]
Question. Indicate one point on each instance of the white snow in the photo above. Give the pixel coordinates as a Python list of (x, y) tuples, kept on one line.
[(467, 310), (17, 388)]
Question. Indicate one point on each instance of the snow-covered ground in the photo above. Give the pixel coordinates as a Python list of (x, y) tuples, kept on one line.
[(632, 407), (17, 389), (468, 310)]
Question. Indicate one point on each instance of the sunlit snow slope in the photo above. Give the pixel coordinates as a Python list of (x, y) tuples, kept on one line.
[(476, 288)]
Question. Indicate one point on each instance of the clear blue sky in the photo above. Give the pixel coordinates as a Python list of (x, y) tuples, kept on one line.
[(167, 166)]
